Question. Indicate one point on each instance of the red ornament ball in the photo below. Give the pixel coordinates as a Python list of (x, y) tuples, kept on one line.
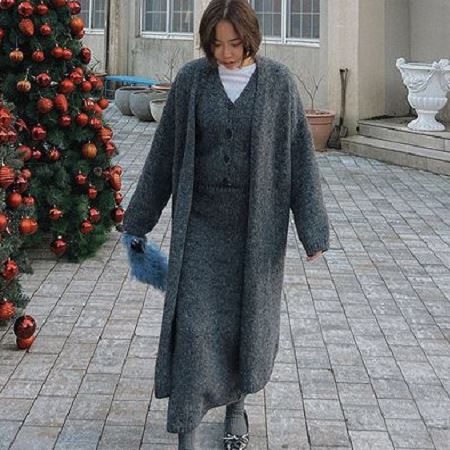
[(65, 121), (55, 213), (38, 133), (29, 201), (24, 327), (94, 215), (38, 56), (92, 192), (82, 119), (3, 222), (81, 179), (25, 9), (25, 344), (6, 4), (10, 270), (7, 309), (44, 105), (7, 176), (59, 246), (86, 227), (28, 226), (14, 200), (42, 9), (46, 29)]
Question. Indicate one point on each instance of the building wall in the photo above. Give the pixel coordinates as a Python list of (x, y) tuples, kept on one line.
[(397, 45), (430, 34), (96, 42)]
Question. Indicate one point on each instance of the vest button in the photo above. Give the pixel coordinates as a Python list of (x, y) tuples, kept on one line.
[(226, 158), (228, 133), (226, 182)]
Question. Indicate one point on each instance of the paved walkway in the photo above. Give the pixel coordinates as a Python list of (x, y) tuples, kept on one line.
[(364, 358)]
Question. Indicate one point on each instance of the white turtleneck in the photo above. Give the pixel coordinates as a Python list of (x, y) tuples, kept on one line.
[(235, 80)]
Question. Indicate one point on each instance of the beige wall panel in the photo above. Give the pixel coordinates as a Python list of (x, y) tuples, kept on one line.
[(397, 46), (153, 57), (430, 34), (96, 42)]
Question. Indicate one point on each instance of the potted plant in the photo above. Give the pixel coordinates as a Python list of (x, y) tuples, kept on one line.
[(320, 121)]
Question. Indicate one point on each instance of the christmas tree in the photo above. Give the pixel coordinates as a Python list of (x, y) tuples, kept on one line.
[(16, 217), (67, 146)]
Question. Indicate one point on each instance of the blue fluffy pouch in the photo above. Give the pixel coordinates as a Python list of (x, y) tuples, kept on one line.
[(148, 263)]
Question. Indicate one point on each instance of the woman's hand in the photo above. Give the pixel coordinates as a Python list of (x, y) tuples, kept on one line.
[(316, 255)]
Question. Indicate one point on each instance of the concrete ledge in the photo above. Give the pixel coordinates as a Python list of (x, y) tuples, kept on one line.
[(400, 154)]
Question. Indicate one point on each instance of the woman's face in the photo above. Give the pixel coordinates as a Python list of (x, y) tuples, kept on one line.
[(228, 48)]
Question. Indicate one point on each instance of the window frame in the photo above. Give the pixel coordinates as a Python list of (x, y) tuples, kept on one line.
[(284, 39), (163, 34), (88, 27)]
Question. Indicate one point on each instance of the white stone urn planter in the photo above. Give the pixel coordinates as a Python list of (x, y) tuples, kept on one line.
[(428, 85), (157, 108)]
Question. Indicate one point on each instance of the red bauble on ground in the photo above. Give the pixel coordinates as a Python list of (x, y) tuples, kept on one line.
[(25, 344), (24, 327)]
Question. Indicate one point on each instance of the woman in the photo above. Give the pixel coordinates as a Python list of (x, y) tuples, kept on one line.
[(234, 150)]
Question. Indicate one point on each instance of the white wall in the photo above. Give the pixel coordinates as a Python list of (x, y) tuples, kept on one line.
[(96, 42), (397, 45), (430, 33)]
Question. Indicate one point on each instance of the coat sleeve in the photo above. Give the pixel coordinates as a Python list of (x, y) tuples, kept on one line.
[(154, 186), (310, 216)]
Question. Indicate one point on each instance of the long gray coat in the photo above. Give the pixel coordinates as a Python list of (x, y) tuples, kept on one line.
[(283, 175)]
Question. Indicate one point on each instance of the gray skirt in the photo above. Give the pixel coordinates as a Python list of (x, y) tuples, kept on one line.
[(205, 364)]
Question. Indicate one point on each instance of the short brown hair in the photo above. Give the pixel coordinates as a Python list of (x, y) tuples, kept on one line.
[(243, 18)]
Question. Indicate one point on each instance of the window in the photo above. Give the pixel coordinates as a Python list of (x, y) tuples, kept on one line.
[(289, 19), (93, 14), (167, 16)]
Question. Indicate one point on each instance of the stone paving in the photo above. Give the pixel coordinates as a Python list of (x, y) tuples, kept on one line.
[(364, 358)]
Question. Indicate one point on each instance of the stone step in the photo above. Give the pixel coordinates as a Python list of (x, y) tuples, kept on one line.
[(395, 130), (407, 155)]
